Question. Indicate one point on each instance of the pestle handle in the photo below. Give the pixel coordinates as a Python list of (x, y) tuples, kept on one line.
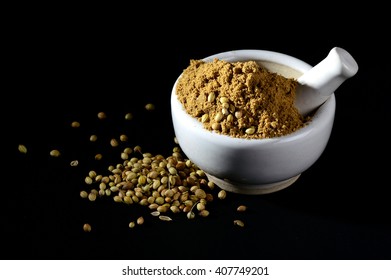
[(318, 83)]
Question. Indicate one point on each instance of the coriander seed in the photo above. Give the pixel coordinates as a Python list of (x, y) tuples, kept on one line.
[(165, 218), (211, 185), (140, 220), (102, 115), (128, 200), (250, 130), (239, 223), (114, 142), (204, 213), (222, 194), (128, 116), (93, 138), (123, 138), (75, 124), (87, 227), (55, 153), (190, 215), (150, 107), (124, 156), (175, 209), (98, 156), (200, 193), (22, 149), (137, 149), (83, 194), (211, 97), (88, 180), (241, 208), (200, 206), (162, 209), (155, 213), (91, 196), (92, 174)]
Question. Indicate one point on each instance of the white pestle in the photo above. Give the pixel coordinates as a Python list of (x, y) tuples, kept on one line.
[(317, 84)]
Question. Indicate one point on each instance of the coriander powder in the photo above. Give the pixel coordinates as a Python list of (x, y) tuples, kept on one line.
[(239, 99)]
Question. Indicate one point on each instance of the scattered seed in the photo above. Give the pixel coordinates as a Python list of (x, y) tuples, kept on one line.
[(98, 178), (87, 227), (124, 156), (91, 196), (165, 218), (98, 156), (123, 138), (93, 138), (241, 208), (137, 149), (128, 116), (83, 194), (204, 213), (239, 223), (74, 163), (190, 215), (150, 107), (132, 224), (222, 194), (102, 115), (88, 180), (55, 153), (114, 142), (140, 220), (75, 124), (155, 213), (22, 149)]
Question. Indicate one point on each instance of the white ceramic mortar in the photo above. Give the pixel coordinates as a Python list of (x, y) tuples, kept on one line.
[(255, 166)]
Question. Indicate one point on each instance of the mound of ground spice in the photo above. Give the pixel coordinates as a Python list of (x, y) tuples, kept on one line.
[(239, 99)]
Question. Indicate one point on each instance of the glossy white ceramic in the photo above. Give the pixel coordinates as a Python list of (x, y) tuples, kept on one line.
[(255, 166), (316, 85)]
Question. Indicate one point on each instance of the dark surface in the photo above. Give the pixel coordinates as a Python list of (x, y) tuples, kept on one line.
[(338, 209)]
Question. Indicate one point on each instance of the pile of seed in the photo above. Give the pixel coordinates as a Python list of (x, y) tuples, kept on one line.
[(163, 184)]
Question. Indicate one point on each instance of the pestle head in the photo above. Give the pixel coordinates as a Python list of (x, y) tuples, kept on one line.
[(318, 83)]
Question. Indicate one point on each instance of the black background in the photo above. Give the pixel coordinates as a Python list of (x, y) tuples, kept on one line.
[(66, 68)]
